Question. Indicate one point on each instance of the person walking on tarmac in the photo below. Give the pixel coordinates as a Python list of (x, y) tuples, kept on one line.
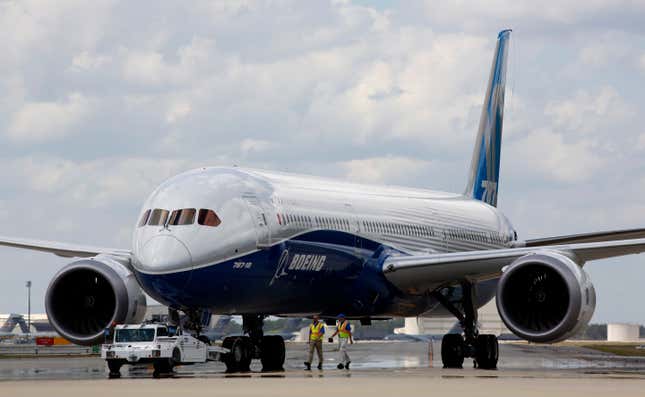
[(344, 332), (316, 335)]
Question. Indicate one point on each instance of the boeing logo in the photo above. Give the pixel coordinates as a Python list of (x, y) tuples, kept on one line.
[(282, 266), (299, 262), (313, 263)]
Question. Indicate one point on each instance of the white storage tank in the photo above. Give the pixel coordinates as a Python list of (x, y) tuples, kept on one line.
[(623, 332)]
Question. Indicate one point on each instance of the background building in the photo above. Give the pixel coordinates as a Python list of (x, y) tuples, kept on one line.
[(489, 323)]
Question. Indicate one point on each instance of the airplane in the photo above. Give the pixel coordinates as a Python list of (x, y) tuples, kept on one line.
[(14, 320), (256, 243)]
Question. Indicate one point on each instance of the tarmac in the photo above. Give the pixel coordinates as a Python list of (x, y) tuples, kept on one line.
[(378, 369)]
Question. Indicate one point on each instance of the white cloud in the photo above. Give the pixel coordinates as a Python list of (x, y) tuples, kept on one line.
[(4, 211), (640, 142), (177, 111), (95, 183), (146, 67), (603, 53), (86, 61), (642, 62), (525, 15), (589, 111), (38, 122), (248, 146), (151, 68), (383, 169), (547, 154)]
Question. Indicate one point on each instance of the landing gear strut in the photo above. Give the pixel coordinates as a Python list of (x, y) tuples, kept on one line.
[(269, 349), (483, 349)]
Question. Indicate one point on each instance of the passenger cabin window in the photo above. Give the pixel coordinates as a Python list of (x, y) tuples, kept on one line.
[(208, 218), (144, 218), (185, 216), (158, 217)]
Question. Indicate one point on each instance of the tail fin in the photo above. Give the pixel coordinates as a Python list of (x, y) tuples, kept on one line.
[(484, 168), (12, 322)]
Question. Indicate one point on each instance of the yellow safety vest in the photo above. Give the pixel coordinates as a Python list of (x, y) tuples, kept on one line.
[(316, 331), (342, 330)]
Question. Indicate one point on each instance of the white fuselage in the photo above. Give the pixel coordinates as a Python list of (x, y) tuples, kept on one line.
[(262, 210)]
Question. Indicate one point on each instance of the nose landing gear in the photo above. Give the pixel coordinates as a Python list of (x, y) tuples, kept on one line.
[(270, 349), (484, 349)]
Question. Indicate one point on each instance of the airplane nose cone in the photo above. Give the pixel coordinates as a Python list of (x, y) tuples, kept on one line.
[(165, 253)]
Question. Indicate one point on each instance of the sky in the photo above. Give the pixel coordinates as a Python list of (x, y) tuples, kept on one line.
[(102, 101)]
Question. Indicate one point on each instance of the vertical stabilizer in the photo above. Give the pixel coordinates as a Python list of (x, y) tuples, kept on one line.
[(484, 168)]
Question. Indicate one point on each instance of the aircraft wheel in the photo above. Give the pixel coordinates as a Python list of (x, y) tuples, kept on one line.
[(273, 353), (486, 351), (452, 351), (239, 359), (115, 368), (163, 366)]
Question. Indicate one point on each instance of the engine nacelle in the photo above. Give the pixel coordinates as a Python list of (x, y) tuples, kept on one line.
[(86, 296), (545, 297)]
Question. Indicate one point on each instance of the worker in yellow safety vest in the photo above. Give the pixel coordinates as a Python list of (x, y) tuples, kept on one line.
[(316, 335), (344, 332)]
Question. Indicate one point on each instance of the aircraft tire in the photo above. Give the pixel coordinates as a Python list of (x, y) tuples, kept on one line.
[(486, 351), (163, 366), (239, 359), (115, 368), (273, 353), (452, 351)]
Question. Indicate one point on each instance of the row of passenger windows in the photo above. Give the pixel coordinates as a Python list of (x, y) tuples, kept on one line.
[(417, 230), (184, 216), (313, 221), (399, 228), (492, 237)]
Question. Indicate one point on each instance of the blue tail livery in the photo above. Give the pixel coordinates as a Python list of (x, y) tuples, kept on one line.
[(484, 168)]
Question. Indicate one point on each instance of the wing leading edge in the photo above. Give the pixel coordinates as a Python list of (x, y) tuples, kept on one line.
[(62, 249), (418, 273), (614, 235)]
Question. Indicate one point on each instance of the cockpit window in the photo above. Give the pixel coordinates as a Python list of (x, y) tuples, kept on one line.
[(158, 217), (208, 218), (144, 218), (184, 216)]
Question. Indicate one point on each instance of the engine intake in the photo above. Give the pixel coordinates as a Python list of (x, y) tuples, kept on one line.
[(86, 296), (545, 297)]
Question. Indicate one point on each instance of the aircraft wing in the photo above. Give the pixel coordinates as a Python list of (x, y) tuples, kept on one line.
[(588, 237), (417, 273), (62, 249)]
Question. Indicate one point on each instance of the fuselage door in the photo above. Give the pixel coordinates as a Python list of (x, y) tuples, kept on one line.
[(259, 216)]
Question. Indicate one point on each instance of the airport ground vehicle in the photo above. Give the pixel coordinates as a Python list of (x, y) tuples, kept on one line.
[(153, 343)]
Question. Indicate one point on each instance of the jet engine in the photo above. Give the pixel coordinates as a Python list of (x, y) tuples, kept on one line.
[(86, 296), (545, 297)]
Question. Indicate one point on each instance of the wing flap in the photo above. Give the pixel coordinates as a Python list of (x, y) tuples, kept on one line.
[(61, 249)]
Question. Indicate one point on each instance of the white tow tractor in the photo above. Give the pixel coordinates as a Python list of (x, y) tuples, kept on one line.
[(153, 343)]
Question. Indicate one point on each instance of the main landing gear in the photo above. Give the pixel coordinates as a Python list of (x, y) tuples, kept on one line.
[(268, 348), (483, 349)]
